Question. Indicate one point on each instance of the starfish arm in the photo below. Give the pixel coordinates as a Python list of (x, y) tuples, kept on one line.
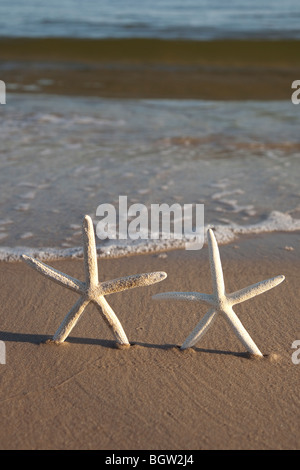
[(55, 275), (188, 296), (89, 252), (70, 320), (241, 332), (254, 289), (215, 264), (112, 320), (201, 328), (129, 282)]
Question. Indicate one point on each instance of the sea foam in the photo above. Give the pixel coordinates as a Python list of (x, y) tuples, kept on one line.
[(277, 221)]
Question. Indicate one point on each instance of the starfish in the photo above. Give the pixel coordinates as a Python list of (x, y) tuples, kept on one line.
[(220, 301), (92, 290)]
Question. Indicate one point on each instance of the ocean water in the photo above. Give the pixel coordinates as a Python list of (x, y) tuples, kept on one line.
[(61, 157), (189, 19)]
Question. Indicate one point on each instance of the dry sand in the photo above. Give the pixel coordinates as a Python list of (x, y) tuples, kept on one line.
[(89, 394)]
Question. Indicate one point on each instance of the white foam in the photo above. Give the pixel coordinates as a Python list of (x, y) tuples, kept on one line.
[(236, 208), (6, 221), (53, 118), (96, 121), (26, 235), (277, 221), (227, 193), (27, 184), (29, 195), (22, 207)]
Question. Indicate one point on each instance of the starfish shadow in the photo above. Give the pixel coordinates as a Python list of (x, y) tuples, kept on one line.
[(37, 339), (105, 343), (22, 337), (165, 346), (7, 336), (198, 350), (245, 355), (109, 344)]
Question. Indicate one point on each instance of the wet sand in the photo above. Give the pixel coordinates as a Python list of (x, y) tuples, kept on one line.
[(89, 394), (152, 68)]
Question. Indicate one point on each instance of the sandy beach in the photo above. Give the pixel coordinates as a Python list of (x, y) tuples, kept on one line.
[(89, 394), (189, 108)]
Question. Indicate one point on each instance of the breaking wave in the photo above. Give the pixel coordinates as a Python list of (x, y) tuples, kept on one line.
[(277, 221)]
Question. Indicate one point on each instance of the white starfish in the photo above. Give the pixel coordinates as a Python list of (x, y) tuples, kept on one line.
[(220, 301), (92, 290)]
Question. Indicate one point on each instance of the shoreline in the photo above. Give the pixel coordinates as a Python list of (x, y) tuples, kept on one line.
[(152, 395), (273, 53), (152, 68), (13, 254)]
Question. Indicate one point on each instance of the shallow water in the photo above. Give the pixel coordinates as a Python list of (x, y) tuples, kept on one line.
[(192, 19), (61, 157)]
